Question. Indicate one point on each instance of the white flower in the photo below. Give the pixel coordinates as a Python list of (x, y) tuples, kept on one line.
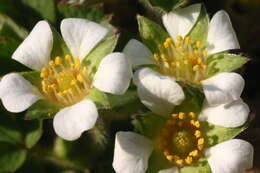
[(65, 80), (132, 152), (179, 58)]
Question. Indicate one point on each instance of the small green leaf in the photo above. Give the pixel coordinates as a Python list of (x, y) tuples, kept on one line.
[(33, 132), (93, 59), (42, 109), (33, 77), (200, 30), (224, 62), (201, 166), (215, 134), (149, 124), (46, 8), (151, 33), (11, 157), (108, 101)]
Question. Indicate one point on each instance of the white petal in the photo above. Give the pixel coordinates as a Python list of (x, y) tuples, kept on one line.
[(227, 115), (158, 92), (181, 21), (81, 35), (171, 170), (114, 74), (17, 94), (138, 53), (35, 50), (221, 35), (233, 156), (132, 152), (70, 122), (223, 88)]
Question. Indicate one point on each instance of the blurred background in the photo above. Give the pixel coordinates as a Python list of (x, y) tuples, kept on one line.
[(17, 18)]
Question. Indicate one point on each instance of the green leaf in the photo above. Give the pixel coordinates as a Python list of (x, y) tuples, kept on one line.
[(42, 109), (200, 30), (193, 100), (224, 62), (11, 157), (93, 59), (9, 130), (46, 8), (33, 77), (151, 33), (201, 166), (167, 5), (154, 12), (149, 124), (216, 134), (108, 101), (33, 132)]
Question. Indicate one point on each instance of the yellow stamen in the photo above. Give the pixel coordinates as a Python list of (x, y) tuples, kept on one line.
[(181, 115), (58, 60), (197, 133), (188, 160)]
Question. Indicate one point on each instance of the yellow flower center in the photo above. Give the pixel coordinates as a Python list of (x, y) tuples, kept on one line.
[(183, 59), (65, 81), (181, 140)]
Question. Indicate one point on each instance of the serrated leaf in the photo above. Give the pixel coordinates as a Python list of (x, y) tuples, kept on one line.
[(93, 59), (46, 8), (200, 30), (42, 109), (216, 134), (151, 33), (108, 101), (11, 157), (224, 62), (149, 124), (201, 166)]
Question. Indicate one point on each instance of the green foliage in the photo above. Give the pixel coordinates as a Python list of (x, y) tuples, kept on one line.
[(16, 137), (215, 134), (200, 166), (224, 62), (151, 33), (45, 8), (93, 59), (200, 30)]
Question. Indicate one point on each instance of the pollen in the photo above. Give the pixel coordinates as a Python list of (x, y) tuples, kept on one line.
[(65, 81), (183, 59), (181, 140)]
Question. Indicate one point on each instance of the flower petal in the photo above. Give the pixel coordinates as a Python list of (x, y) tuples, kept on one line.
[(223, 88), (70, 122), (181, 21), (132, 152), (171, 170), (35, 50), (232, 156), (233, 114), (81, 35), (138, 53), (114, 74), (221, 35), (158, 92), (17, 94)]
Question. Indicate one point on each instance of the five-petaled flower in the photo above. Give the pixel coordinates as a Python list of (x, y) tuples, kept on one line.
[(182, 58), (65, 80)]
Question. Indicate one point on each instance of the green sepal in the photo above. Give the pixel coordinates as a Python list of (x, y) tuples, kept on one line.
[(33, 132), (216, 134), (149, 124), (193, 102), (59, 46), (200, 166), (42, 109), (157, 162), (93, 59), (45, 8), (199, 32), (109, 101), (11, 157), (151, 33), (33, 77), (224, 62)]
